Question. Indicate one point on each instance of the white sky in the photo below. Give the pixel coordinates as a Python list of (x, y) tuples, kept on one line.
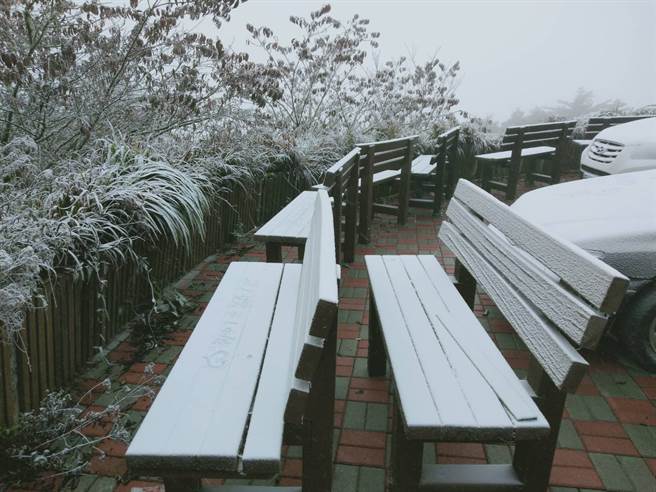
[(513, 53)]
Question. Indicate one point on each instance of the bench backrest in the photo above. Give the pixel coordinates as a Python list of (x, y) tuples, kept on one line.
[(447, 144), (551, 134), (341, 182), (556, 295), (599, 123), (316, 310), (386, 154)]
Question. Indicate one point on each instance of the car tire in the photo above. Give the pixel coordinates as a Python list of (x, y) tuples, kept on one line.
[(638, 327)]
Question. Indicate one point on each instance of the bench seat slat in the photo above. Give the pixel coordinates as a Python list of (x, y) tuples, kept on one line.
[(292, 223), (206, 398), (597, 282), (264, 440), (422, 165), (560, 360), (454, 411), (543, 150), (466, 332), (419, 411), (582, 323)]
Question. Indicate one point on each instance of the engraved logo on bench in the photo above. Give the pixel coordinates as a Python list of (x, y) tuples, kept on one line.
[(223, 345)]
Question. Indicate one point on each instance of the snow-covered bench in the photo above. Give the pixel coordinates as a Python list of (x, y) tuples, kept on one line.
[(291, 225), (377, 159), (452, 383), (529, 143), (437, 172), (259, 365)]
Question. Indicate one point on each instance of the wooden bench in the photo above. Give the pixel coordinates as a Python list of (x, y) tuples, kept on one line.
[(599, 123), (431, 172), (259, 366), (452, 383), (291, 225), (376, 158), (438, 172), (528, 143)]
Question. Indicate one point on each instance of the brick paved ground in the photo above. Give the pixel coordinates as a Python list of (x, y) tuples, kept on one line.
[(608, 434)]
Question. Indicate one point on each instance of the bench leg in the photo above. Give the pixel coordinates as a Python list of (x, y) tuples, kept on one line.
[(178, 484), (318, 428), (466, 284), (301, 252), (513, 178), (533, 459), (486, 174), (439, 188), (407, 457), (376, 358), (273, 252)]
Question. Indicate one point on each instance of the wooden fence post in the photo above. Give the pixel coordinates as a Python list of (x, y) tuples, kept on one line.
[(351, 212), (366, 195), (404, 186)]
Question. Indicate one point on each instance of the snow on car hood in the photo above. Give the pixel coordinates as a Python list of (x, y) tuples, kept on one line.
[(614, 215), (634, 132)]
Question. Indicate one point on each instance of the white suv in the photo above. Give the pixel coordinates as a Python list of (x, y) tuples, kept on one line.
[(621, 149)]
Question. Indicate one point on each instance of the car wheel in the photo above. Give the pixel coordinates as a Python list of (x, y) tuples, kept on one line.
[(638, 327)]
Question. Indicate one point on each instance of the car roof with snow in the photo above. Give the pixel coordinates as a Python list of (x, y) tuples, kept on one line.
[(638, 131), (615, 215)]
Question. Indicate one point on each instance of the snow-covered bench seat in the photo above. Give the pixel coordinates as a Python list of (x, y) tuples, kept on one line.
[(430, 172), (529, 143), (259, 365), (452, 383)]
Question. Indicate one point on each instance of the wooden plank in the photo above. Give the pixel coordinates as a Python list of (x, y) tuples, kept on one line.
[(404, 187), (388, 165), (577, 319), (351, 225), (292, 223), (423, 165), (481, 414), (366, 196), (383, 208), (318, 290), (455, 410), (200, 426), (337, 215), (560, 360), (467, 332), (540, 127), (388, 144), (419, 409), (345, 163), (390, 154), (598, 283), (528, 152), (264, 440), (386, 176)]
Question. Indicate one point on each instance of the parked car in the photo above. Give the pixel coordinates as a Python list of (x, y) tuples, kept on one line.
[(614, 218), (621, 149)]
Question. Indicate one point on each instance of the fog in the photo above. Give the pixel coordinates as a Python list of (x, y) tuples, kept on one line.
[(521, 53)]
